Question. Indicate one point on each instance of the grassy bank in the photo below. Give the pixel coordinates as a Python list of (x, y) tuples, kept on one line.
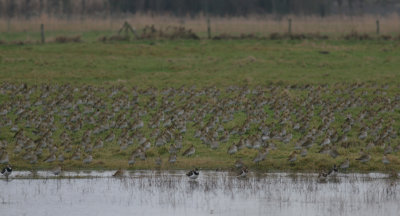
[(313, 84)]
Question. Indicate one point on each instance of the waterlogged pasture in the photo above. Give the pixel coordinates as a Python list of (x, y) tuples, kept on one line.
[(214, 193)]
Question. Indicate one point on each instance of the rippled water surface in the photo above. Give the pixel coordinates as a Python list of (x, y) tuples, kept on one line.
[(213, 193)]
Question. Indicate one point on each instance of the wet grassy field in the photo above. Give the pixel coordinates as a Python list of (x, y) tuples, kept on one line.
[(286, 96), (202, 63)]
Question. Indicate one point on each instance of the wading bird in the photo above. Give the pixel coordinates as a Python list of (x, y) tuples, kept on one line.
[(242, 173), (193, 174), (7, 171)]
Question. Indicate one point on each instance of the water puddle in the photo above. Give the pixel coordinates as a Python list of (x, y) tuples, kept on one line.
[(213, 193)]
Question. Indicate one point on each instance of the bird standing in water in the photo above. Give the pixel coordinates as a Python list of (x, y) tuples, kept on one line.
[(333, 172), (243, 173), (193, 174), (119, 173), (6, 171), (322, 176), (57, 170)]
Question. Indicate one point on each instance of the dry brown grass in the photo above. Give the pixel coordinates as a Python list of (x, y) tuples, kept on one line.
[(66, 39), (263, 25)]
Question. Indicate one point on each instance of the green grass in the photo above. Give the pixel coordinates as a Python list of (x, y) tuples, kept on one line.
[(202, 63), (208, 63)]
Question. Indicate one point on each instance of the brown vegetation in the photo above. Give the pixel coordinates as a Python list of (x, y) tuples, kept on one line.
[(170, 32), (67, 39), (114, 38), (260, 25)]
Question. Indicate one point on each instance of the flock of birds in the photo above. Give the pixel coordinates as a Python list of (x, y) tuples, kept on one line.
[(59, 123)]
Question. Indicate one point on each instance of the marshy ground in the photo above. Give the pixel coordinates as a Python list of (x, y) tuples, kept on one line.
[(95, 105)]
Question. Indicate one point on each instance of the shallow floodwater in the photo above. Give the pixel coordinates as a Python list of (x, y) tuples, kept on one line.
[(213, 193)]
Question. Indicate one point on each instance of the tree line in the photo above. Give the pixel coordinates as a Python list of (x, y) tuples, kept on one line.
[(105, 8)]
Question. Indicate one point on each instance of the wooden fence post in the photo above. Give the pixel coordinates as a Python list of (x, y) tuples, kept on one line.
[(290, 26), (208, 20), (208, 28), (377, 27), (42, 33)]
